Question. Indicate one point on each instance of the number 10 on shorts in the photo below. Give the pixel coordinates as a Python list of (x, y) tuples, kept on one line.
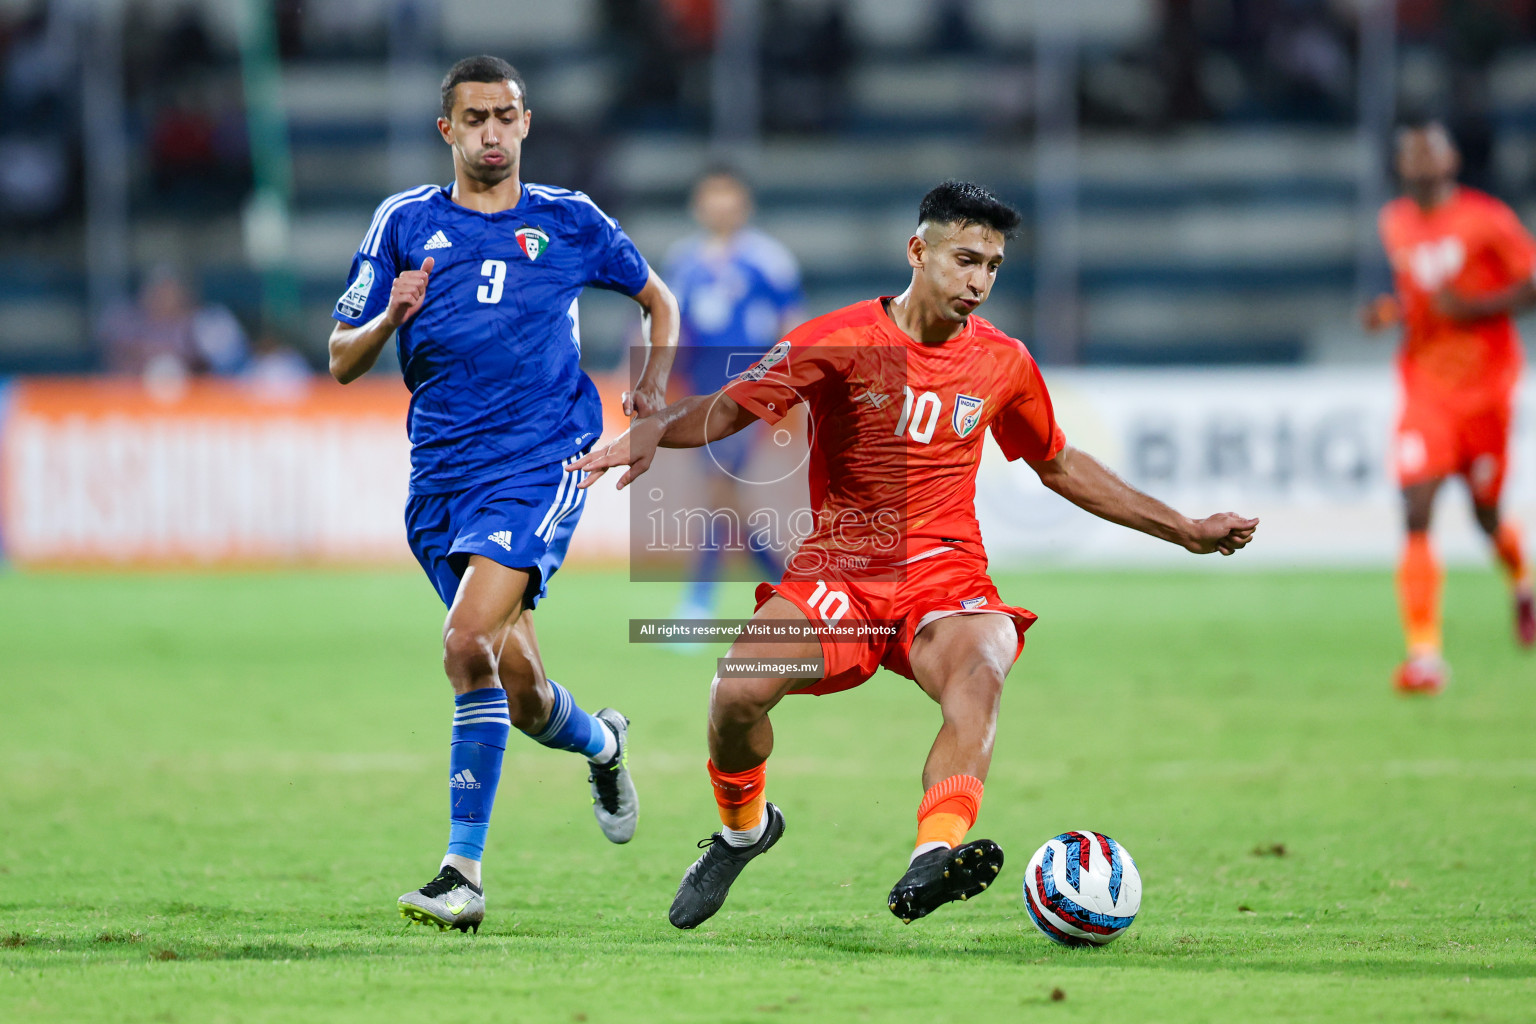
[(831, 605)]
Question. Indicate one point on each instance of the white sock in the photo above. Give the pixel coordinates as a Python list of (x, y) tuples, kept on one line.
[(470, 869), (745, 836), (935, 845), (610, 746)]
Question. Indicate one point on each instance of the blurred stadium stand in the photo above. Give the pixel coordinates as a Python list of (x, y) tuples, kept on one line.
[(1224, 181)]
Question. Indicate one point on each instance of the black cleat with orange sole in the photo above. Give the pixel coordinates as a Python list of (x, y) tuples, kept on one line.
[(943, 876)]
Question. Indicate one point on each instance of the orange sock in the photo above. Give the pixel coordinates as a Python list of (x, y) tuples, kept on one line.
[(1418, 592), (1511, 552), (740, 796), (948, 810)]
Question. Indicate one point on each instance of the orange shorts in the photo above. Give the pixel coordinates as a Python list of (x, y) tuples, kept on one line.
[(1436, 441), (952, 583)]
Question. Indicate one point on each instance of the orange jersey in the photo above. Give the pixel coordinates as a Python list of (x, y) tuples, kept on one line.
[(896, 432), (1474, 245)]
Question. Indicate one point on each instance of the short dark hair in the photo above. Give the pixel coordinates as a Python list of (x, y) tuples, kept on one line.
[(1420, 120), (1424, 123), (960, 202), (483, 68), (723, 170)]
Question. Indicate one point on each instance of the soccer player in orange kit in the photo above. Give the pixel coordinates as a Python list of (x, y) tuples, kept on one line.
[(1461, 264), (902, 391)]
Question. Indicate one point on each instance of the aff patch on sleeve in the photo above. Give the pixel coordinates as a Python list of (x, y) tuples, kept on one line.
[(355, 300), (774, 356)]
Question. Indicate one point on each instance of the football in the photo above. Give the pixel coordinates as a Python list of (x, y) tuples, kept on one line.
[(1081, 889)]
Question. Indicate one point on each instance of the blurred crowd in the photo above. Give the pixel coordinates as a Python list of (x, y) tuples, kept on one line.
[(1295, 60), (39, 116), (181, 91), (167, 333), (1207, 61), (184, 96), (1203, 62), (664, 49)]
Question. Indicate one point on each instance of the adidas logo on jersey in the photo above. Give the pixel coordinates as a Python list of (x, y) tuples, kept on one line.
[(438, 241), (502, 537), (464, 780)]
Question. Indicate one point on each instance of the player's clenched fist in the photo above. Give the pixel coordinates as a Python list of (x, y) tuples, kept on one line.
[(407, 294), (1381, 312), (1224, 532)]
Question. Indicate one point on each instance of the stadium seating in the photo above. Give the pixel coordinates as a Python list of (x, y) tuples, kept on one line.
[(1232, 241)]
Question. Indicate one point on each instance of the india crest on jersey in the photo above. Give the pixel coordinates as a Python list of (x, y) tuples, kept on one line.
[(967, 414), (533, 241)]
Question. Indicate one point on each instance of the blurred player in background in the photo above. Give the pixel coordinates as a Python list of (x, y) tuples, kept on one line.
[(1462, 264), (480, 280), (738, 291), (902, 392)]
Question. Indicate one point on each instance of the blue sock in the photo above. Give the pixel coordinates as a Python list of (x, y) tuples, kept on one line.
[(706, 569), (481, 726), (571, 728)]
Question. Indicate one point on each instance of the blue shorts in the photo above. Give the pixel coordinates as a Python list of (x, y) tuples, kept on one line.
[(523, 521)]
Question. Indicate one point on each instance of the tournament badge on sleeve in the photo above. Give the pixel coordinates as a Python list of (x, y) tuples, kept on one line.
[(355, 300), (770, 359)]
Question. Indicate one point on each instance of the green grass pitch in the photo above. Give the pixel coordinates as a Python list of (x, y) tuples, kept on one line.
[(212, 788)]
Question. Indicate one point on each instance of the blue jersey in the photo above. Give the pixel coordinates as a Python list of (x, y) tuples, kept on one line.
[(733, 300), (492, 357)]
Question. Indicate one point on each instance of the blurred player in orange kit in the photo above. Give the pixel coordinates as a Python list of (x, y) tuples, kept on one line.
[(902, 392), (1461, 263)]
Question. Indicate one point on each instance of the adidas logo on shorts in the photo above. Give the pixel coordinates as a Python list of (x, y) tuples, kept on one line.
[(502, 537)]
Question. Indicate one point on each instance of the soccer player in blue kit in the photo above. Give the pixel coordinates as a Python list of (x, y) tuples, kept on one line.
[(479, 281), (739, 292)]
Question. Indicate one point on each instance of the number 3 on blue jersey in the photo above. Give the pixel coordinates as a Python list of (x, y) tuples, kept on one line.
[(490, 292)]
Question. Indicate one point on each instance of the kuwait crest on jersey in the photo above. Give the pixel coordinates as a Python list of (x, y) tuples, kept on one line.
[(533, 241), (967, 414)]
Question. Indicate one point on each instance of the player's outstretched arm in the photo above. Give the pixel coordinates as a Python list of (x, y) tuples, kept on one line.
[(354, 350), (661, 320), (691, 422), (1088, 484), (1516, 298)]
